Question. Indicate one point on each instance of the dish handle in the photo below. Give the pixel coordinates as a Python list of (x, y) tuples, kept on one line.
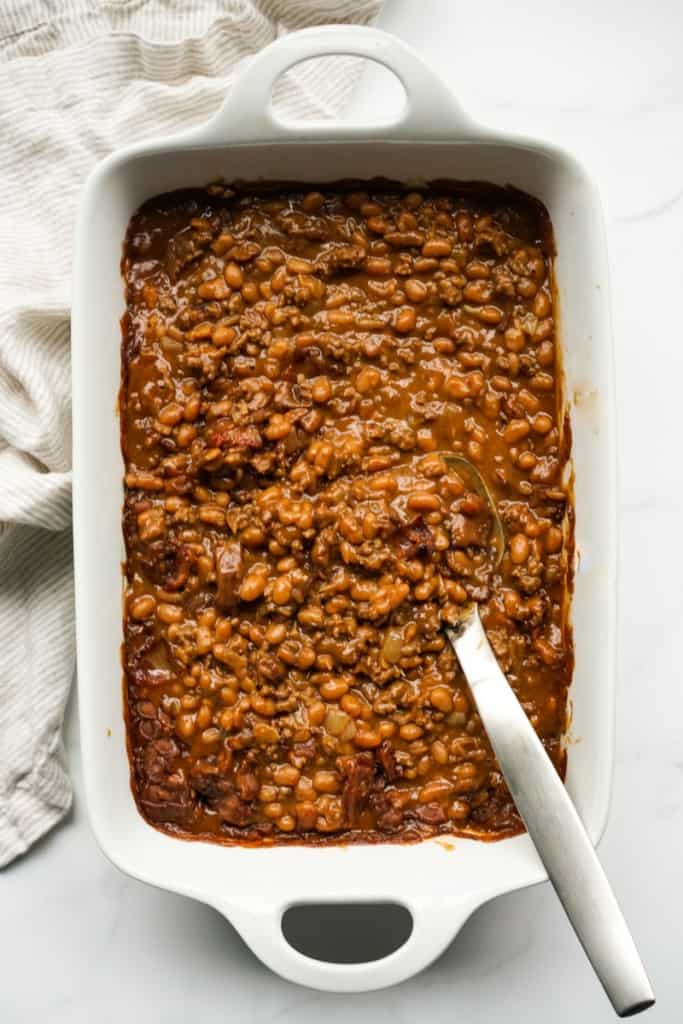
[(430, 111), (434, 927)]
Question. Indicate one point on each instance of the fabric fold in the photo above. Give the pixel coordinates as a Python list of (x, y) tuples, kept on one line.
[(77, 80)]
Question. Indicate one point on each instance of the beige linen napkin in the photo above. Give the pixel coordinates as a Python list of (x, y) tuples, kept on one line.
[(77, 79)]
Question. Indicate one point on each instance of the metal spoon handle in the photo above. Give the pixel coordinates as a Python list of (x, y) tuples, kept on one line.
[(553, 824)]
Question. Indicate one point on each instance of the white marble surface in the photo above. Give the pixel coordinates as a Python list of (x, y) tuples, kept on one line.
[(81, 943)]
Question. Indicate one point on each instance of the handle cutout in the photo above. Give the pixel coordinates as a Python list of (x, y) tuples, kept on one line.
[(373, 77), (347, 933)]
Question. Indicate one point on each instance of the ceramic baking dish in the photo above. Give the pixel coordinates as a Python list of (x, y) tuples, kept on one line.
[(433, 139)]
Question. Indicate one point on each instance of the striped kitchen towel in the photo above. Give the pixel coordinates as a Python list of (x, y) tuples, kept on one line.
[(78, 79)]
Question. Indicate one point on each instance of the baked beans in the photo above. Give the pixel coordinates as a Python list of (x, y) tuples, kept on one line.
[(298, 366)]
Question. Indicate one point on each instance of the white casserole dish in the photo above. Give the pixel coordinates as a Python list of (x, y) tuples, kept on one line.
[(432, 139)]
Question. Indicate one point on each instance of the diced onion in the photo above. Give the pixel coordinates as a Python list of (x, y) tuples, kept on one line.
[(336, 721), (392, 647)]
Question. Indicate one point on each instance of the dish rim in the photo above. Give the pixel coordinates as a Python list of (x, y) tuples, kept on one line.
[(434, 926)]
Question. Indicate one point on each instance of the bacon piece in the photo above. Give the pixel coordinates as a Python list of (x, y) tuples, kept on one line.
[(236, 437), (415, 540)]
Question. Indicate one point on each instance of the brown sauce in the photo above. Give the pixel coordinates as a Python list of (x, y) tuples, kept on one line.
[(295, 365)]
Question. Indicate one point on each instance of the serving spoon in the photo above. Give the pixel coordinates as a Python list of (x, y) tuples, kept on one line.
[(552, 822), (543, 802)]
